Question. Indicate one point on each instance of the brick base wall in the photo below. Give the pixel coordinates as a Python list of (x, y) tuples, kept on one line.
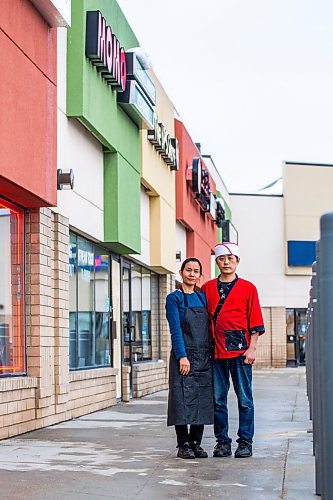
[(148, 378), (17, 407), (272, 346), (49, 393), (167, 285), (91, 390)]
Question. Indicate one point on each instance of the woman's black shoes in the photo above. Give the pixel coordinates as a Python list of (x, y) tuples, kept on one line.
[(185, 451), (193, 450), (198, 451)]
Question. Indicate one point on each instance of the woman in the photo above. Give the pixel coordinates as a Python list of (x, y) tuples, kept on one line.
[(190, 372)]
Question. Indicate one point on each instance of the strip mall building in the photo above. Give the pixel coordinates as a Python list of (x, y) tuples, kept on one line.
[(84, 271)]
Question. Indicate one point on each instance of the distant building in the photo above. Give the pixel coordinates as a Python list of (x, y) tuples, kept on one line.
[(277, 236)]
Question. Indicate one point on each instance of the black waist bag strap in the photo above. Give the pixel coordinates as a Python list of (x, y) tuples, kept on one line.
[(223, 298), (218, 308)]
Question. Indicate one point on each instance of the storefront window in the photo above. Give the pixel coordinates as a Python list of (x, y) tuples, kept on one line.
[(141, 313), (12, 327), (89, 298)]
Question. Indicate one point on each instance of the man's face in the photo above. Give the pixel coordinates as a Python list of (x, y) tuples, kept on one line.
[(227, 264)]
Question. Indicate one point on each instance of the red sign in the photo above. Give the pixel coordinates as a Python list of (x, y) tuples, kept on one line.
[(104, 51)]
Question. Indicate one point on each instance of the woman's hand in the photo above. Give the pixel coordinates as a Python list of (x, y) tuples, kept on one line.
[(184, 366)]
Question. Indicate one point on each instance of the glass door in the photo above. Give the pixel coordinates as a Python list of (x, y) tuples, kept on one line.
[(116, 325), (128, 327), (300, 329)]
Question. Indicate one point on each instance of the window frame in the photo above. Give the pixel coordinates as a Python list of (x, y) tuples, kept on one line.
[(107, 252), (19, 370)]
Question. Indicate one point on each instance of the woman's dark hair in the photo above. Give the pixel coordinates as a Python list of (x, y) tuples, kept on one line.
[(191, 259)]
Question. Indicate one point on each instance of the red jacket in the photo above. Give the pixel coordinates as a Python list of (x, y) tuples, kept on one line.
[(240, 315)]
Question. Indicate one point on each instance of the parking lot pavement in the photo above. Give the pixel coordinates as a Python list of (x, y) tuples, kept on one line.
[(127, 452)]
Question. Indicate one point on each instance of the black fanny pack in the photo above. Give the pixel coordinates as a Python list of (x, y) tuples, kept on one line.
[(235, 340)]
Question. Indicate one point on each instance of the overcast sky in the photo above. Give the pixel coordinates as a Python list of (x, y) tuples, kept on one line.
[(251, 79)]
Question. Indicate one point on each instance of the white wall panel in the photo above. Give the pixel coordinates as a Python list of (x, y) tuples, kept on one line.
[(180, 245), (79, 150)]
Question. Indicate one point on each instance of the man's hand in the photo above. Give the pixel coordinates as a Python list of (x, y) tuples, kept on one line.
[(250, 356), (184, 366)]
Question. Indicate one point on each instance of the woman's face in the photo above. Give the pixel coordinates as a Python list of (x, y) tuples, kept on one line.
[(191, 273)]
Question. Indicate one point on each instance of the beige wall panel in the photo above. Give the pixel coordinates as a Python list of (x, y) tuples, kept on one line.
[(307, 196), (144, 256), (163, 235), (307, 190), (160, 182), (305, 227), (297, 291)]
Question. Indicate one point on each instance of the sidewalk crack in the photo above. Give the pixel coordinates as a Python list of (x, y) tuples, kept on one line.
[(283, 488)]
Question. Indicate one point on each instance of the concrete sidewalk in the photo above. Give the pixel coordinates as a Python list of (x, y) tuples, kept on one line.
[(127, 452)]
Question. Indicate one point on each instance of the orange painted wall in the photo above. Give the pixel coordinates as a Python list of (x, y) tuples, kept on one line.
[(28, 56), (201, 229)]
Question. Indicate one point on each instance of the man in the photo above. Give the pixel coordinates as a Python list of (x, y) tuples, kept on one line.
[(236, 323)]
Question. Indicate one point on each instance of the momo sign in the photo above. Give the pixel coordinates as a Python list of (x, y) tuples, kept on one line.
[(166, 145), (104, 51)]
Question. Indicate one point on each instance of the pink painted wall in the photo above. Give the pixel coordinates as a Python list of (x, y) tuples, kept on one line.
[(28, 55), (201, 229)]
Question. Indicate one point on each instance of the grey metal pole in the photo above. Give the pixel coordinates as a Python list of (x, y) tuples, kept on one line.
[(309, 347), (326, 351), (316, 400)]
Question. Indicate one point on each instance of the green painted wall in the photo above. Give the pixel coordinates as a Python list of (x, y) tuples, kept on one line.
[(124, 232), (94, 103)]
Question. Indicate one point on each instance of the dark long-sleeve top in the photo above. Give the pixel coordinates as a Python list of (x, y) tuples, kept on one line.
[(175, 313)]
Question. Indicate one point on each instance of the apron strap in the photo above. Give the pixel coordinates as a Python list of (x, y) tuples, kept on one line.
[(200, 298), (198, 295), (185, 298)]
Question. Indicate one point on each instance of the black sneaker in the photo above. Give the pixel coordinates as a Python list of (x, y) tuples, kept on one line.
[(244, 450), (222, 450), (185, 451), (198, 451)]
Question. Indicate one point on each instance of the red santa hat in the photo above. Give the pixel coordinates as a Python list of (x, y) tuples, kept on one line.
[(226, 248)]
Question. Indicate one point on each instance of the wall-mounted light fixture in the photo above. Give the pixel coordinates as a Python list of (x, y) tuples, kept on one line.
[(178, 255), (65, 179)]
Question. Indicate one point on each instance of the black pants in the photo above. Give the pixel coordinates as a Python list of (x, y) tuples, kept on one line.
[(183, 436)]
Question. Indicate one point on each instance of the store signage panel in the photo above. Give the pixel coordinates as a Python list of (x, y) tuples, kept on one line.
[(166, 145), (196, 175), (200, 184), (220, 213), (135, 71), (104, 51), (212, 205), (136, 105)]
